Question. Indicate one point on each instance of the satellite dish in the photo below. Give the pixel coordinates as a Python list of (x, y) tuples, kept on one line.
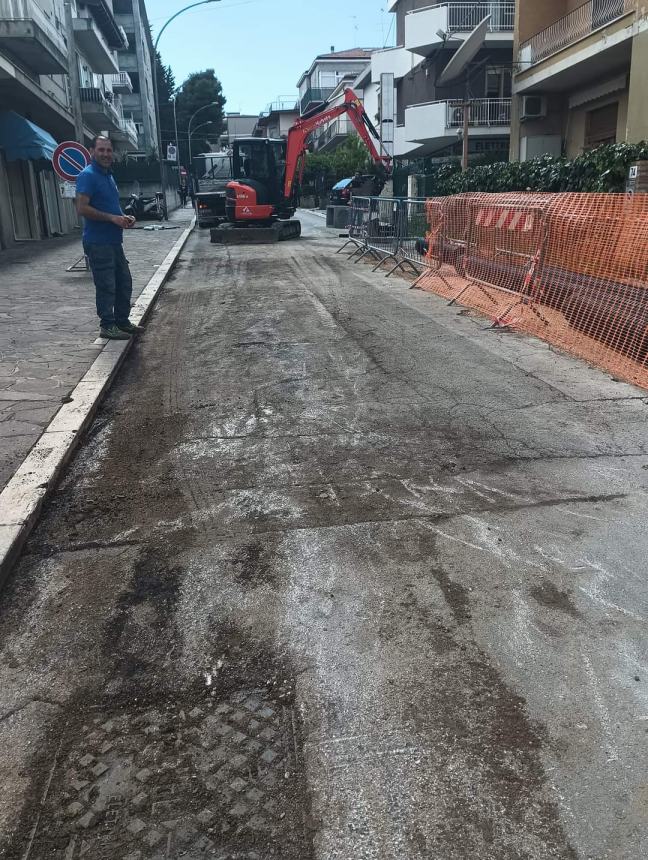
[(465, 53)]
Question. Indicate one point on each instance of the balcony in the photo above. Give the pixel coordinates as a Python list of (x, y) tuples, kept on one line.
[(435, 124), (332, 135), (578, 24), (127, 132), (99, 110), (27, 34), (396, 61), (314, 97), (122, 83), (593, 40), (450, 23), (92, 44)]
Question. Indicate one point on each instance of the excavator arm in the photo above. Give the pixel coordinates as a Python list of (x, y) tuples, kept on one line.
[(303, 128)]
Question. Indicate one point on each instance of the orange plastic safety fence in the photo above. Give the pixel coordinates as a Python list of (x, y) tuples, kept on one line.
[(570, 268)]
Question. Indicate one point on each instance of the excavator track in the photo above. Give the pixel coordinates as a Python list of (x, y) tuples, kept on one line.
[(252, 234)]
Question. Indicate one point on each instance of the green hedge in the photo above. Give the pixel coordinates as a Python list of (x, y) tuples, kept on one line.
[(602, 169)]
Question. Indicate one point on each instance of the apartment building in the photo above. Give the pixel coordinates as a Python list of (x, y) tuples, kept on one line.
[(59, 80), (319, 82), (278, 117), (330, 136), (135, 77), (428, 108), (580, 76)]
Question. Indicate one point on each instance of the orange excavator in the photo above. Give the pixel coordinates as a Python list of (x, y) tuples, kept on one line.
[(267, 174)]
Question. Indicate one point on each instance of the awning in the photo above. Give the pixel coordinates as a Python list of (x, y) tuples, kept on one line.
[(22, 139)]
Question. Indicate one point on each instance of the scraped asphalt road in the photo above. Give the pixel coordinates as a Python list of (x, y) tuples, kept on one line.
[(338, 574)]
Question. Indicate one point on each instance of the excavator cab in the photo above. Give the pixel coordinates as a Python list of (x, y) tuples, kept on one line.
[(256, 193)]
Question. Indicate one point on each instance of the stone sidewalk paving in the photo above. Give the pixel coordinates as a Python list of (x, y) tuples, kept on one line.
[(49, 328)]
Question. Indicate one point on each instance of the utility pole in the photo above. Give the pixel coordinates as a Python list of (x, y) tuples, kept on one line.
[(466, 131), (73, 71)]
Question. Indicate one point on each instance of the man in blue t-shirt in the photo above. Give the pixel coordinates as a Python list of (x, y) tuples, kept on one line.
[(97, 200)]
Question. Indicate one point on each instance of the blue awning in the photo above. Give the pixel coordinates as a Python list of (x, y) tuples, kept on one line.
[(22, 139)]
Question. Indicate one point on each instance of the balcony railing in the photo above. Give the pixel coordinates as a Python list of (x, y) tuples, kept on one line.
[(129, 127), (572, 27), (287, 103), (110, 104), (485, 113), (464, 17), (338, 128), (314, 96), (122, 81)]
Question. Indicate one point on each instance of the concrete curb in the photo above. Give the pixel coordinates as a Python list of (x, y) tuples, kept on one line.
[(22, 498)]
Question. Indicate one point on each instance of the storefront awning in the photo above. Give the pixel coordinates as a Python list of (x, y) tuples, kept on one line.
[(22, 139)]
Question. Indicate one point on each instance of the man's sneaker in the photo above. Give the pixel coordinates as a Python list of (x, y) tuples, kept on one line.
[(113, 333), (130, 327)]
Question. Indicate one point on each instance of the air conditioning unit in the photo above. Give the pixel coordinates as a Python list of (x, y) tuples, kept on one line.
[(533, 107)]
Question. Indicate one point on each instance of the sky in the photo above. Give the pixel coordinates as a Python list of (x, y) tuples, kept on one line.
[(260, 48)]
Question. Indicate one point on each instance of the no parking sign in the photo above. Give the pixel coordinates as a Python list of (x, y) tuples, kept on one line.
[(69, 159)]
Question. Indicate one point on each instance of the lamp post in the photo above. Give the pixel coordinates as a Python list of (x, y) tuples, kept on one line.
[(156, 100), (189, 133), (193, 116), (175, 127), (202, 125)]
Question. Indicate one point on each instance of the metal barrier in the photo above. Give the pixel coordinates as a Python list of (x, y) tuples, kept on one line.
[(390, 229), (358, 224)]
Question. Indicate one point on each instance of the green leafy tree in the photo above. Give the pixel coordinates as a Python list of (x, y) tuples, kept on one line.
[(325, 169), (200, 89)]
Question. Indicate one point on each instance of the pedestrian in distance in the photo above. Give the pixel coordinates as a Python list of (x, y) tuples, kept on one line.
[(182, 191), (97, 201)]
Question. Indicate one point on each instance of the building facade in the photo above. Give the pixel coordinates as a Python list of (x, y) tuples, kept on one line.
[(278, 118), (320, 81), (580, 76), (59, 80), (333, 134), (428, 106), (237, 125), (136, 61)]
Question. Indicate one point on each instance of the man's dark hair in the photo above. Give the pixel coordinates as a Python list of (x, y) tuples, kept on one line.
[(99, 137)]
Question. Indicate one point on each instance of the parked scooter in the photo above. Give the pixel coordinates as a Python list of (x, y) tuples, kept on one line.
[(141, 207)]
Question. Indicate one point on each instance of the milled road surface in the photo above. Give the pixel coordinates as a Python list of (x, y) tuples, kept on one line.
[(337, 575)]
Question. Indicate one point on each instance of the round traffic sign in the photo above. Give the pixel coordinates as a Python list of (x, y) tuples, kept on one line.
[(69, 159)]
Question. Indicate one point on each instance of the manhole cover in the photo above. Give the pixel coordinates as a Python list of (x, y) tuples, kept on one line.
[(220, 779)]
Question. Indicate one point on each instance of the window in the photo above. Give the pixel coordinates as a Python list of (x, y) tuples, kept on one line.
[(135, 78), (601, 126), (330, 80), (123, 7), (498, 82)]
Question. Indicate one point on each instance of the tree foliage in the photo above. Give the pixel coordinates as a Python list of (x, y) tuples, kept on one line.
[(325, 169), (199, 90), (165, 88)]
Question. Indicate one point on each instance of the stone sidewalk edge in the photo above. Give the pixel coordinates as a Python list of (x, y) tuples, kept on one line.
[(24, 495)]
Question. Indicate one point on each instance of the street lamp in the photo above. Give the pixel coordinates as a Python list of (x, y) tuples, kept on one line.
[(156, 100), (202, 125), (195, 113)]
